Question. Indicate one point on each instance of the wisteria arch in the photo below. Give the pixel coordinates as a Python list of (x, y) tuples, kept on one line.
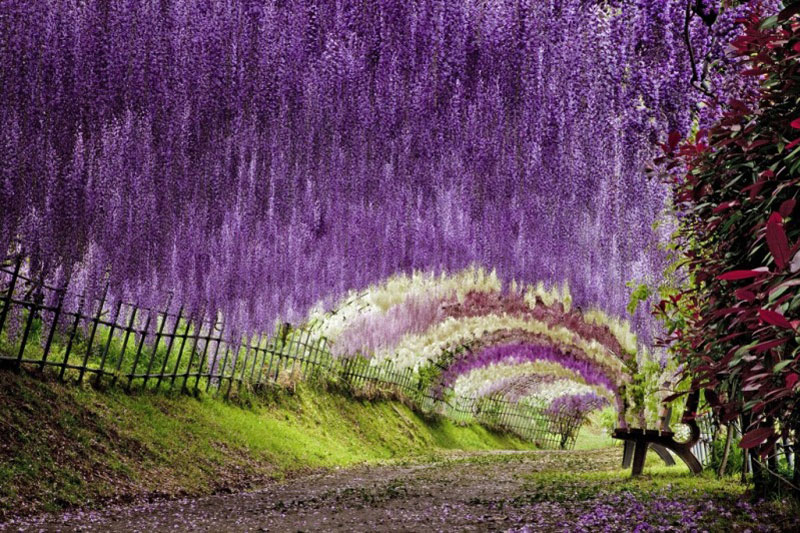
[(427, 323), (258, 157), (518, 353)]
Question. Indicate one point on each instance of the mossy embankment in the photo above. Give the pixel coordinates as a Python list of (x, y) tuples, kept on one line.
[(67, 445)]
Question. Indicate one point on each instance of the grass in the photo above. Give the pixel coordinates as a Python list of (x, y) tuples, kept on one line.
[(66, 445), (592, 438), (569, 483)]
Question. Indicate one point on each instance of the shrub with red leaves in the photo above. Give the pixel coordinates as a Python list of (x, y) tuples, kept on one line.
[(736, 328)]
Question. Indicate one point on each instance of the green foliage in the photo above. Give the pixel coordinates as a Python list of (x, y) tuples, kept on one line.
[(735, 325), (640, 293), (735, 457), (65, 445)]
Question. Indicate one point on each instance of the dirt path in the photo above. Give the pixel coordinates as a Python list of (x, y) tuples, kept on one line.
[(474, 492)]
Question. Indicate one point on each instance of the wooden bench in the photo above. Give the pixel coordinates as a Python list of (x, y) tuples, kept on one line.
[(638, 440)]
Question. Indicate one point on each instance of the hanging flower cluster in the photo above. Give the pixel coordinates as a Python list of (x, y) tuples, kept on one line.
[(382, 329), (484, 381), (360, 310), (375, 331), (420, 349), (588, 371), (258, 157), (507, 387), (576, 404)]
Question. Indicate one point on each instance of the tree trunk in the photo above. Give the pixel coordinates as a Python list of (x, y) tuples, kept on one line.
[(759, 480), (745, 455), (726, 452), (796, 477), (745, 465)]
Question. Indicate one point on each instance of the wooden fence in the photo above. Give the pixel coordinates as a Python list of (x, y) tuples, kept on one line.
[(128, 345)]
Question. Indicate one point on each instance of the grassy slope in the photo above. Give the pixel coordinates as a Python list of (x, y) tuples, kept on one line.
[(63, 445)]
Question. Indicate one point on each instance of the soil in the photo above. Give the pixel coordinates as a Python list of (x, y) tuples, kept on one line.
[(485, 491)]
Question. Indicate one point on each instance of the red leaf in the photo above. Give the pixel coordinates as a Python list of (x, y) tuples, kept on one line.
[(793, 144), (725, 205), (756, 144), (777, 241), (730, 414), (795, 124), (725, 311), (768, 345), (673, 139), (674, 396), (787, 207), (791, 380), (754, 189), (744, 294), (774, 318), (751, 387), (796, 47), (755, 437), (738, 274)]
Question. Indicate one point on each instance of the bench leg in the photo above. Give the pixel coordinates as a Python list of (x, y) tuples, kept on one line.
[(627, 454), (688, 457), (663, 453), (639, 454)]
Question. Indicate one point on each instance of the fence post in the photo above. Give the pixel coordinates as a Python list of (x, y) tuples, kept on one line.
[(284, 333), (346, 369), (92, 334), (31, 314), (310, 359), (244, 367), (56, 316), (184, 337), (202, 357), (224, 366), (71, 337), (139, 349), (159, 333), (108, 343), (298, 347), (255, 359), (324, 360), (128, 331), (10, 294), (216, 354), (169, 346), (191, 353)]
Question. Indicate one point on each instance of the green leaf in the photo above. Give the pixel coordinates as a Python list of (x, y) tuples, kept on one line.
[(774, 295), (783, 364), (769, 22), (741, 352), (793, 153)]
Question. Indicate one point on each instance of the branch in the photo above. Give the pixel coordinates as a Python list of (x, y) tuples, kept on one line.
[(697, 81)]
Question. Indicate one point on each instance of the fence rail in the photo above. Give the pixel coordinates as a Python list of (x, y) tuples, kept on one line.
[(136, 347)]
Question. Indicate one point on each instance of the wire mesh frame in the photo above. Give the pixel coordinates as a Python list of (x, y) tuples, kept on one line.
[(546, 428), (146, 348), (703, 449)]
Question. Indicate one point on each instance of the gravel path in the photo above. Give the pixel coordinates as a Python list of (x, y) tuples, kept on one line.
[(469, 492)]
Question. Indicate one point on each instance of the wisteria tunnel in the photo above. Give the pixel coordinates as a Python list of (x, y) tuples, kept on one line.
[(470, 206)]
